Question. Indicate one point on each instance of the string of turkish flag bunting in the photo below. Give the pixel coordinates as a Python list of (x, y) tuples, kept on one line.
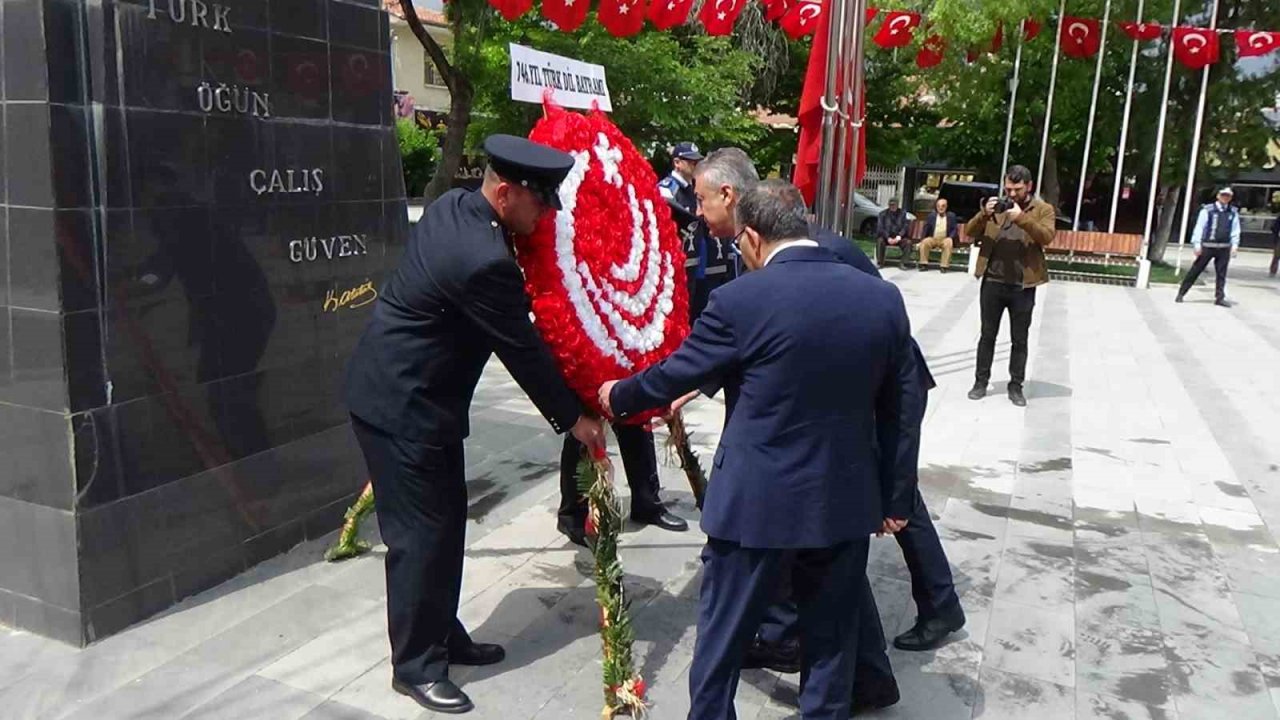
[(1080, 37)]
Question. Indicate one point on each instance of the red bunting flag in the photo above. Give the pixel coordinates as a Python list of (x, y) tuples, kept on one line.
[(932, 52), (1196, 48), (802, 18), (775, 10), (622, 18), (566, 14), (871, 15), (511, 10), (895, 31), (1080, 37), (718, 16), (1031, 29), (664, 14), (1254, 43), (1141, 32), (997, 40)]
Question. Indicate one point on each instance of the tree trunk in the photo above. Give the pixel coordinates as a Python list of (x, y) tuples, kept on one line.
[(461, 94), (454, 142), (1052, 188), (1164, 225)]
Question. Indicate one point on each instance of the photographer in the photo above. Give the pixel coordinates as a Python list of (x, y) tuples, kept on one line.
[(1011, 233)]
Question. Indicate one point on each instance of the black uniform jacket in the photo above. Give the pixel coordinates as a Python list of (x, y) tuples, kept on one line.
[(456, 297)]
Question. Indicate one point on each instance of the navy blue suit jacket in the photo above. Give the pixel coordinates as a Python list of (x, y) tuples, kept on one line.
[(817, 366)]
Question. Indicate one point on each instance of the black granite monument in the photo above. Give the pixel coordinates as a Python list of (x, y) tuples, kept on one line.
[(198, 201)]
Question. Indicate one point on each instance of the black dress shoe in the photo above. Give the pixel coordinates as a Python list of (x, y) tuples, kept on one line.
[(664, 520), (1178, 298), (877, 697), (929, 634), (1016, 397), (1223, 303), (442, 696), (978, 392), (576, 534), (784, 658), (478, 654)]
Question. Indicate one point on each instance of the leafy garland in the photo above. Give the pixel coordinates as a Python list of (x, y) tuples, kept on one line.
[(623, 687)]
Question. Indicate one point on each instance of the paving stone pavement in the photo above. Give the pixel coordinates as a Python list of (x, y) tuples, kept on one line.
[(1113, 544)]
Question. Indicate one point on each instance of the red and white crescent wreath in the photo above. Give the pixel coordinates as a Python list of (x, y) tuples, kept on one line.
[(606, 272)]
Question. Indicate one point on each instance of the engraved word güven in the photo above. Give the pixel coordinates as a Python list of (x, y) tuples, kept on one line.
[(316, 248), (194, 11), (287, 181), (233, 98), (354, 298)]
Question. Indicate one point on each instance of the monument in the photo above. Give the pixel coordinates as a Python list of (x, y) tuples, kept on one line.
[(198, 202)]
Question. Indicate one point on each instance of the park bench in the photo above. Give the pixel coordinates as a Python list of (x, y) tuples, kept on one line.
[(915, 231), (1094, 248)]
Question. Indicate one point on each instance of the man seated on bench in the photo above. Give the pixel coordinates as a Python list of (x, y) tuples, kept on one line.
[(941, 230), (891, 230)]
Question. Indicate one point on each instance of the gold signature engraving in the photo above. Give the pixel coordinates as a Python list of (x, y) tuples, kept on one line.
[(356, 297)]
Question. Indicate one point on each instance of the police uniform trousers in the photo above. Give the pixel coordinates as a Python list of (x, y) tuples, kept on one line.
[(639, 460), (421, 496), (739, 583), (1221, 257)]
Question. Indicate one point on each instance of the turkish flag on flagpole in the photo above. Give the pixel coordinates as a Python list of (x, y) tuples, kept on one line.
[(1195, 47), (1254, 43), (896, 29), (1141, 32), (809, 148), (1080, 37), (664, 14)]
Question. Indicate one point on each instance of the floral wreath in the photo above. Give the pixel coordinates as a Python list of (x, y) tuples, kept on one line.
[(606, 272)]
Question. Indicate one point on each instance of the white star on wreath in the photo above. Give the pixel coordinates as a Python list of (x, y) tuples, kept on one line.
[(624, 9)]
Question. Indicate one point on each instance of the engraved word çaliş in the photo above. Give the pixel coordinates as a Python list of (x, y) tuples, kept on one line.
[(233, 98), (287, 181), (339, 246), (198, 15), (356, 297)]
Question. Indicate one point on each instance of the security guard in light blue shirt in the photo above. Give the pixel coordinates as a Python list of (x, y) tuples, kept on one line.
[(677, 190)]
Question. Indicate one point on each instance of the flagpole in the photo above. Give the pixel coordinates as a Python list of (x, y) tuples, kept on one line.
[(830, 105), (1124, 130), (1195, 147), (1144, 263), (1093, 110), (844, 116), (855, 50), (1048, 107), (1013, 97)]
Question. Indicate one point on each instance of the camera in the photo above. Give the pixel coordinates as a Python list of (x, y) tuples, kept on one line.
[(1003, 204)]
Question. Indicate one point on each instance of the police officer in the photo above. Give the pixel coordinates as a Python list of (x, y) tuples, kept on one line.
[(1216, 237), (456, 298), (677, 190)]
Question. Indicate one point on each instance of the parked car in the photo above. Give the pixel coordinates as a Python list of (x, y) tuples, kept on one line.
[(866, 212)]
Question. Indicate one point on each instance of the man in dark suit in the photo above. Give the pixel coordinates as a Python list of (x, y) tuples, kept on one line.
[(456, 298), (937, 605), (811, 390)]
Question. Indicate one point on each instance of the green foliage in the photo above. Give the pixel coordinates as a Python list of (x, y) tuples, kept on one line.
[(666, 86), (419, 153)]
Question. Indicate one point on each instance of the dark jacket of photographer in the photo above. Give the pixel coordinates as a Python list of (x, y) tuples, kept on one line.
[(1007, 245)]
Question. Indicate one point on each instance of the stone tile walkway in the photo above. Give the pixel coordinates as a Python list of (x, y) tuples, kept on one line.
[(1114, 545)]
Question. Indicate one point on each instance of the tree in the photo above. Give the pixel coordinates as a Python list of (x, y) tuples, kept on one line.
[(956, 112), (666, 86)]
